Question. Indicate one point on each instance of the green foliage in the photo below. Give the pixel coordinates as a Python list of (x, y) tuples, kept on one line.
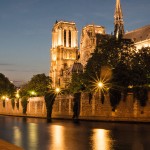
[(140, 67), (90, 97), (6, 87), (17, 103), (115, 97), (4, 103), (49, 101), (13, 103), (76, 84), (24, 103), (102, 97), (112, 53), (129, 67), (39, 83), (141, 94), (76, 106)]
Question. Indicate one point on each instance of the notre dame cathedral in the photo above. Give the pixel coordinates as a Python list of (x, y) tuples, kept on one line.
[(65, 51)]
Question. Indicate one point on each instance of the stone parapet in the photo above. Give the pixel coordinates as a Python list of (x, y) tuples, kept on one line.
[(128, 110)]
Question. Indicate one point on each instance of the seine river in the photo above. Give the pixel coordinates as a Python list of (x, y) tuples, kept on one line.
[(37, 134)]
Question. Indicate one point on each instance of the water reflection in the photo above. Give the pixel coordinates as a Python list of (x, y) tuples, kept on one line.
[(57, 137), (101, 140), (17, 136), (37, 134), (33, 135)]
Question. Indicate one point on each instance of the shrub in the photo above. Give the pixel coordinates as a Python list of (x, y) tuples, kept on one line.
[(13, 103), (24, 103), (49, 101)]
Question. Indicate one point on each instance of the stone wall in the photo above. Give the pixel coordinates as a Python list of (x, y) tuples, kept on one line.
[(35, 107), (128, 110)]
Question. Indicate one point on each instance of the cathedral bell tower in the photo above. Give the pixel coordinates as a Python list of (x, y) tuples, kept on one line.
[(118, 21), (63, 53)]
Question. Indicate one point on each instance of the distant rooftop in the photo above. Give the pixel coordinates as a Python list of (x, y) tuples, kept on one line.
[(76, 68), (139, 34)]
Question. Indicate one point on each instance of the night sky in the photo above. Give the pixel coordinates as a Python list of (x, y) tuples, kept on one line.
[(25, 29)]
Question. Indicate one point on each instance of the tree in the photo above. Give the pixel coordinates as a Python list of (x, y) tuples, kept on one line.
[(38, 85), (76, 85), (130, 67), (24, 103), (116, 55), (6, 87), (49, 101)]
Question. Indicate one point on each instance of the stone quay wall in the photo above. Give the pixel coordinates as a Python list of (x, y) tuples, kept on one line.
[(128, 110)]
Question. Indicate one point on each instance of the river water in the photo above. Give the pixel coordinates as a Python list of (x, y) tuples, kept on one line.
[(37, 134)]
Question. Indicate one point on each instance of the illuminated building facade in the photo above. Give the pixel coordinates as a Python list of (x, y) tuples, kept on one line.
[(88, 41), (64, 51), (141, 36)]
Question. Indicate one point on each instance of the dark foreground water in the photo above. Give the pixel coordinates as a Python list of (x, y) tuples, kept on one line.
[(37, 134)]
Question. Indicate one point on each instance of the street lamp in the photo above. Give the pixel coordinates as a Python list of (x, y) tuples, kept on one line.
[(33, 93), (17, 95), (100, 85), (57, 90), (5, 98)]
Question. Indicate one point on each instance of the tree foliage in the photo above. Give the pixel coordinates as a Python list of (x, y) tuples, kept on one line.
[(13, 103), (6, 87), (76, 105), (130, 67), (24, 103), (49, 101), (76, 84), (39, 83)]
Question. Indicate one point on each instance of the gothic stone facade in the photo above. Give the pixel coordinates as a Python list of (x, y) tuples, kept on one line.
[(64, 51)]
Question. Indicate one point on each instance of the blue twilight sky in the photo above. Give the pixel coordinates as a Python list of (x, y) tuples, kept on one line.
[(25, 29)]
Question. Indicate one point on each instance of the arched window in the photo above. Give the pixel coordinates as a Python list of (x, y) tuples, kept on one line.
[(65, 38), (69, 38)]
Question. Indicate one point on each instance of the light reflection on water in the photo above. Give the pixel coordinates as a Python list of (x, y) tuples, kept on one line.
[(101, 139), (17, 136), (37, 134), (33, 135), (57, 137)]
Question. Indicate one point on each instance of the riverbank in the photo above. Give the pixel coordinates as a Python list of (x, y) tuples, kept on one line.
[(90, 119), (8, 146), (128, 110)]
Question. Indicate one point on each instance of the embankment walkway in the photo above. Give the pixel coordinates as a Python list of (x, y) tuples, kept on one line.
[(8, 146)]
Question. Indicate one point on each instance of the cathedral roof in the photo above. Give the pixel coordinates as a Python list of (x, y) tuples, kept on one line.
[(76, 68), (139, 34)]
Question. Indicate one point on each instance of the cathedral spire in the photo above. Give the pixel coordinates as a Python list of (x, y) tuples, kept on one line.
[(118, 20)]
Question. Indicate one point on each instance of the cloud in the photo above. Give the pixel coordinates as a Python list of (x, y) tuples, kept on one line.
[(23, 71), (5, 64)]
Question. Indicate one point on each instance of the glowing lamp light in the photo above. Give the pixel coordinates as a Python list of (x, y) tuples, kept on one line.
[(5, 98), (17, 95), (33, 93), (57, 90), (100, 84)]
